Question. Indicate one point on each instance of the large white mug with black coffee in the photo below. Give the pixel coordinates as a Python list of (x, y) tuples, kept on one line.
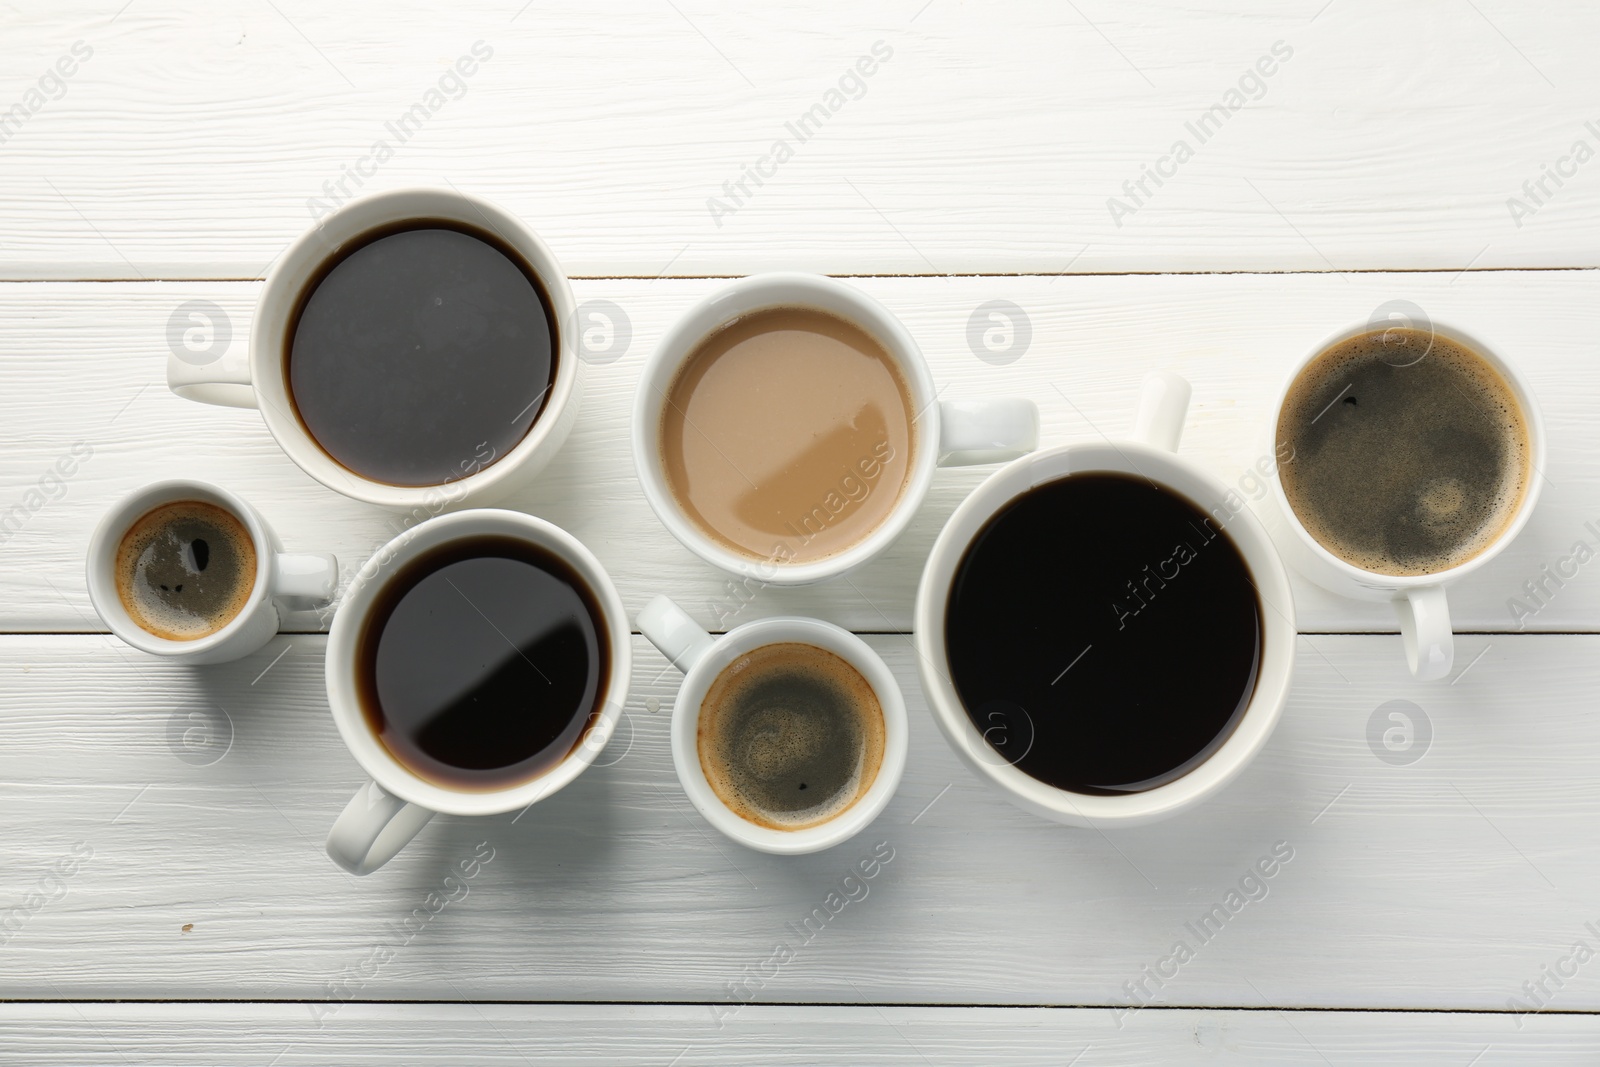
[(191, 572), (477, 664), (789, 734), (1105, 631), (1408, 455), (412, 349), (786, 428)]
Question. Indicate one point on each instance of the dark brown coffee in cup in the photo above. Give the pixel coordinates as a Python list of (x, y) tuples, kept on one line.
[(790, 736), (1104, 634), (185, 570), (1407, 453), (787, 434), (421, 353), (481, 663)]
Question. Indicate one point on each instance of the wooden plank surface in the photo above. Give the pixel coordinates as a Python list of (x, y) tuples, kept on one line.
[(395, 1035), (86, 363), (194, 140), (202, 799)]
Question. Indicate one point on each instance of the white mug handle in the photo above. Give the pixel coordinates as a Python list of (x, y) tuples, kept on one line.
[(309, 576), (224, 381), (373, 828), (671, 630), (1163, 406), (1425, 629), (986, 431)]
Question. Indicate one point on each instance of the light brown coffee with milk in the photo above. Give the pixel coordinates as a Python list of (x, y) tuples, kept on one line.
[(788, 434)]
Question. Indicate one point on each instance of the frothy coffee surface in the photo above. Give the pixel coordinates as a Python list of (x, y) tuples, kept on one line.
[(787, 435), (790, 736), (1406, 452), (185, 570)]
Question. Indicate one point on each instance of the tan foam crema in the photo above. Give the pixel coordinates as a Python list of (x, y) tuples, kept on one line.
[(185, 570), (787, 435), (1403, 452), (790, 736)]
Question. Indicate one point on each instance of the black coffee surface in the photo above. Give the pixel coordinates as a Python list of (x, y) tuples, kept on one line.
[(482, 662), (1407, 452), (421, 355), (790, 735), (1104, 634), (185, 570)]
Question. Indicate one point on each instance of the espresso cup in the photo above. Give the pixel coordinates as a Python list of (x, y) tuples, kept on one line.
[(282, 579), (1148, 458), (258, 377), (389, 810), (703, 659), (1419, 600), (943, 432)]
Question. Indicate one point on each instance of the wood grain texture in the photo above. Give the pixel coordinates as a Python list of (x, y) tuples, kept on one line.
[(202, 798), (397, 1035), (193, 140), (86, 362)]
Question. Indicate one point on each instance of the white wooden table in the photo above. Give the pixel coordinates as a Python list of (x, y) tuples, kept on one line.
[(201, 922)]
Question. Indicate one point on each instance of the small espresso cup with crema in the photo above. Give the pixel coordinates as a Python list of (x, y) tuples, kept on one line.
[(167, 624), (812, 408), (782, 740), (1427, 449)]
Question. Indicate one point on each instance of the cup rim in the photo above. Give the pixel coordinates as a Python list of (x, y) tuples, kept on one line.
[(1255, 546), (327, 238), (1523, 394), (130, 508), (340, 665), (758, 292), (686, 718)]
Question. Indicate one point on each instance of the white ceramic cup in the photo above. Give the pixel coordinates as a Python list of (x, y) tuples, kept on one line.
[(702, 658), (304, 580), (387, 812), (257, 378), (1151, 455), (946, 432), (1419, 600)]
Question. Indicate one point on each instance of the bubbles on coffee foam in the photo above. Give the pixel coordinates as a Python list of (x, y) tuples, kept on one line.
[(185, 570), (1461, 518), (791, 736)]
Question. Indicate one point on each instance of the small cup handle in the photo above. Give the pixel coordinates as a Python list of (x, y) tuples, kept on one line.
[(373, 828), (1163, 406), (986, 431), (224, 381), (1425, 629), (670, 629), (311, 576)]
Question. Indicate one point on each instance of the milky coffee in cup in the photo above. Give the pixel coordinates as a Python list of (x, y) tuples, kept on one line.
[(788, 426)]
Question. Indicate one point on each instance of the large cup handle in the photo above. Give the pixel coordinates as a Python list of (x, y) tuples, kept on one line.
[(986, 431), (373, 828), (1163, 406), (222, 379), (671, 630), (1425, 629)]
